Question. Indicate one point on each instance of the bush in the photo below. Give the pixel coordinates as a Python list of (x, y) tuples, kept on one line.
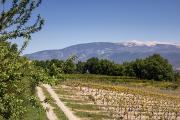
[(18, 79)]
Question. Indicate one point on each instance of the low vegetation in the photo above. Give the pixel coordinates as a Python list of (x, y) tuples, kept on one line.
[(118, 101), (122, 80), (83, 108)]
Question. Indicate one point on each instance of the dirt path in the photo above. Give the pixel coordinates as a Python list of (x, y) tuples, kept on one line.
[(60, 104), (49, 109)]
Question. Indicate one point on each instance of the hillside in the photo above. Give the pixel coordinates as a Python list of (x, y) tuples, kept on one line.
[(117, 52)]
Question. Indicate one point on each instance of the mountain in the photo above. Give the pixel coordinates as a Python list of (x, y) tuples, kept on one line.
[(117, 52)]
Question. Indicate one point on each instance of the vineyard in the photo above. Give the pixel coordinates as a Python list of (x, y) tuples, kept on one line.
[(95, 100), (103, 81)]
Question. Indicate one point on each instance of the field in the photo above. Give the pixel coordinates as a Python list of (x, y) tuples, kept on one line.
[(96, 97)]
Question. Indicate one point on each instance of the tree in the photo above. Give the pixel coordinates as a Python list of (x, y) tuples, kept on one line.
[(80, 67), (158, 68), (138, 68), (17, 74), (69, 67), (118, 70), (14, 21), (92, 65), (103, 67), (128, 69), (153, 67)]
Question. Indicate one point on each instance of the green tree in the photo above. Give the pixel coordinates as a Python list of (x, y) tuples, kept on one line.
[(118, 70), (53, 68), (158, 68), (80, 67), (18, 76), (92, 65), (17, 18), (69, 66), (138, 68), (128, 69), (153, 67), (103, 67)]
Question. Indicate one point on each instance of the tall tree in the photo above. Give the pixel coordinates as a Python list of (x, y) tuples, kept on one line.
[(15, 20), (16, 72)]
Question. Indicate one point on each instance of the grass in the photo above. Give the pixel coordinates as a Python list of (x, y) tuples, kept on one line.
[(35, 114), (59, 113), (61, 91), (82, 106), (92, 116), (87, 111), (131, 82), (99, 78), (72, 101)]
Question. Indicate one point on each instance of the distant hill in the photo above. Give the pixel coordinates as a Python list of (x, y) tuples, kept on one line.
[(117, 52)]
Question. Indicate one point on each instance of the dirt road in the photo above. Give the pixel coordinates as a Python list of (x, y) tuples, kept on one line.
[(49, 109), (60, 104)]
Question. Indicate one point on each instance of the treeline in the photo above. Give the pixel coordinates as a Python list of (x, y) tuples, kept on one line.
[(154, 67), (55, 68)]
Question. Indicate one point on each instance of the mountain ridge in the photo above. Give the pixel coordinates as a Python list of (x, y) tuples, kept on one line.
[(117, 52)]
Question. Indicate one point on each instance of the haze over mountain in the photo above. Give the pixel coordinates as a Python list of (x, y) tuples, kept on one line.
[(117, 52)]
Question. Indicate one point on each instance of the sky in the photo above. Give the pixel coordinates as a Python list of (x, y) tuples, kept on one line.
[(70, 22)]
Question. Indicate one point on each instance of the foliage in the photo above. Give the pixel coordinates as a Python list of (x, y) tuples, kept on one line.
[(17, 18), (55, 68), (153, 67), (18, 76), (103, 67), (69, 66), (80, 67), (177, 76)]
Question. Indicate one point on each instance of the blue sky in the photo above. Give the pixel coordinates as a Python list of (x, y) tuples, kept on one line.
[(70, 22)]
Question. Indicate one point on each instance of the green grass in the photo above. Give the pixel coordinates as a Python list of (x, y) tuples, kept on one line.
[(35, 114), (121, 80), (92, 116), (59, 113), (61, 91), (82, 106), (72, 101)]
